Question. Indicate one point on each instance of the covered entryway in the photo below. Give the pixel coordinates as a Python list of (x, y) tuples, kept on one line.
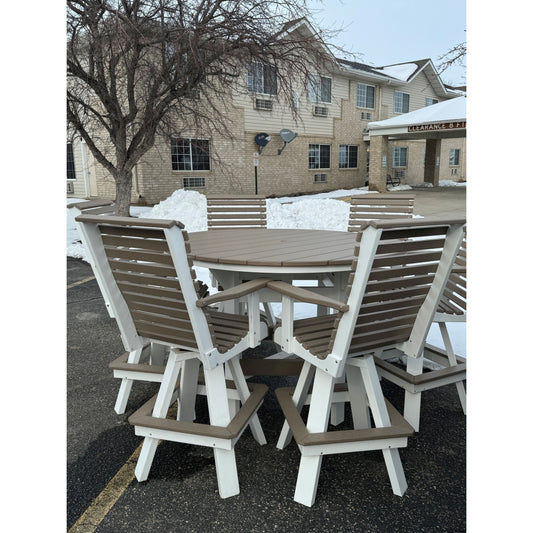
[(432, 123)]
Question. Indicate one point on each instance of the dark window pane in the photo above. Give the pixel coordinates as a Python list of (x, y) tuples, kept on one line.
[(71, 167)]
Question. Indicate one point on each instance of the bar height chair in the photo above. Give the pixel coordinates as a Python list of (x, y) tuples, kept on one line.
[(449, 368), (398, 277), (146, 269), (150, 365)]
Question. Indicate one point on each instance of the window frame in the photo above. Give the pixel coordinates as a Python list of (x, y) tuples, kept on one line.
[(313, 88), (349, 148), (192, 156), (320, 156), (71, 163), (433, 101), (455, 155), (396, 100), (358, 94), (397, 156), (252, 73)]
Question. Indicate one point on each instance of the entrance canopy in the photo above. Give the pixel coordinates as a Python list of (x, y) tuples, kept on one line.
[(444, 120)]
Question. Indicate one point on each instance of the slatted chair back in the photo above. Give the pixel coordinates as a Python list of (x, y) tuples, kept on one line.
[(94, 207), (146, 268), (397, 280), (366, 207), (225, 212), (452, 306)]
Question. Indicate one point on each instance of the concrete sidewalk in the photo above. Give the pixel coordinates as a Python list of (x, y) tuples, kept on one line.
[(181, 494)]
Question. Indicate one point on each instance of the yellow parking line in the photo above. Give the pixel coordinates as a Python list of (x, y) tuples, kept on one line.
[(80, 282), (103, 503)]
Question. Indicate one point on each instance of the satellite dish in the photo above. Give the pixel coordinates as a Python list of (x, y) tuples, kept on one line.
[(287, 136), (262, 139)]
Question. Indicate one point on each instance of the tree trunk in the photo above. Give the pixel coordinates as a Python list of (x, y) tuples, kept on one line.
[(123, 182)]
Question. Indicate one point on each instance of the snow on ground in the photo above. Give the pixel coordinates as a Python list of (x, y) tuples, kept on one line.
[(319, 211)]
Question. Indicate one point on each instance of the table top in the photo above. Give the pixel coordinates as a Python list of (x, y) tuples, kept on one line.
[(253, 249)]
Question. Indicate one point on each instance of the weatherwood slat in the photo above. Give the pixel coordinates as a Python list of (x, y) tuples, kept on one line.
[(143, 418), (399, 426), (277, 248)]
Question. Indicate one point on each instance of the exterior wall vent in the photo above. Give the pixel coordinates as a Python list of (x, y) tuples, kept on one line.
[(321, 178), (70, 187), (366, 116)]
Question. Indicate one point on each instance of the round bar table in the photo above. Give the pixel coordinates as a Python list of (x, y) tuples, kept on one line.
[(237, 255)]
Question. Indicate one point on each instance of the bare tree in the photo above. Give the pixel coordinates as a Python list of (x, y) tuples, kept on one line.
[(135, 69), (454, 56)]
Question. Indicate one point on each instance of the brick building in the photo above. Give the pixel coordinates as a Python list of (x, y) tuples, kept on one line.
[(331, 150)]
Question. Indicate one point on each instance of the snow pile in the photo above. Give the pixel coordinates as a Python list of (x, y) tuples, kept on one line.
[(326, 214), (189, 207), (450, 183)]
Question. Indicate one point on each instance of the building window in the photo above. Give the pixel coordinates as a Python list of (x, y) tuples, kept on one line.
[(401, 102), (319, 155), (399, 157), (262, 78), (193, 183), (431, 101), (454, 156), (348, 156), (365, 95), (190, 154), (71, 168), (319, 89)]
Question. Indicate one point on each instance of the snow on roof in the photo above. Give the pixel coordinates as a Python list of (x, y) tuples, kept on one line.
[(401, 72), (447, 111)]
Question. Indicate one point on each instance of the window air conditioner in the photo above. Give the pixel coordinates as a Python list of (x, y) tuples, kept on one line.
[(320, 111)]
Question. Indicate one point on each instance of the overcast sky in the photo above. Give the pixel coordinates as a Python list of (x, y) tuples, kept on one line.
[(381, 32)]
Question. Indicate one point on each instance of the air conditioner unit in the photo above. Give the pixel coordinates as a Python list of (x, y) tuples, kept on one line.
[(321, 178), (366, 116), (263, 105), (320, 111), (70, 187)]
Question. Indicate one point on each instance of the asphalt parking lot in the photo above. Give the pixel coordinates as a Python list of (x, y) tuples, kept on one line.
[(181, 494)]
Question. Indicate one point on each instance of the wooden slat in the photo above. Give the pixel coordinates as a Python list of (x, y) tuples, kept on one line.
[(137, 244), (147, 279), (147, 268), (155, 257)]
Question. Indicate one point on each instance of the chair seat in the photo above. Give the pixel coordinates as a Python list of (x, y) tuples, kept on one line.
[(228, 329), (317, 334)]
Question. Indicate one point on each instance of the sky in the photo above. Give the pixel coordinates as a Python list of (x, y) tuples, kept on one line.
[(382, 32)]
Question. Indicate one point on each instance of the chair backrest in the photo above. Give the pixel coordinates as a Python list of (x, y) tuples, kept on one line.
[(366, 207), (236, 211), (93, 207), (453, 301), (146, 270), (399, 274)]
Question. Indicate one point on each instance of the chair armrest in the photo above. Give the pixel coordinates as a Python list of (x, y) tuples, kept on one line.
[(303, 295), (234, 292)]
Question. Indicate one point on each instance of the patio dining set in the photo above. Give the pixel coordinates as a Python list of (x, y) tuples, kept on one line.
[(377, 288)]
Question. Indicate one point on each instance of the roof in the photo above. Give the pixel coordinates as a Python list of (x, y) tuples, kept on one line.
[(453, 110)]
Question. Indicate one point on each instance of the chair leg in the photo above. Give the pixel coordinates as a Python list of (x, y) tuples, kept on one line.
[(317, 422), (298, 397), (413, 400), (188, 388), (453, 361), (164, 399), (219, 415), (126, 384), (244, 393), (381, 419), (358, 399)]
